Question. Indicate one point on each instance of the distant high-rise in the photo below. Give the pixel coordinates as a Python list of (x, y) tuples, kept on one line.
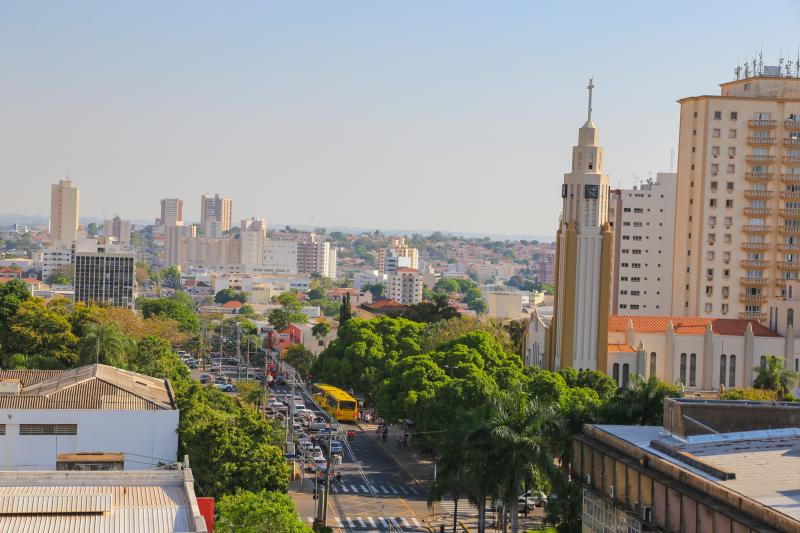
[(391, 258), (253, 235), (171, 212), (64, 213), (313, 256), (215, 215), (103, 275), (118, 229)]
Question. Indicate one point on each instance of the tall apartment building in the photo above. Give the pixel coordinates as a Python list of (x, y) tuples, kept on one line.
[(171, 212), (64, 213), (644, 229), (313, 255), (388, 258), (118, 229), (253, 235), (280, 257), (176, 238), (404, 286), (333, 256), (103, 275), (215, 215), (737, 224)]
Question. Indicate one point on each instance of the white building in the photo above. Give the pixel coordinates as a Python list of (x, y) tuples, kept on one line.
[(93, 408), (332, 258), (51, 259), (280, 257), (504, 305), (253, 234), (644, 230), (371, 277), (64, 213), (405, 286)]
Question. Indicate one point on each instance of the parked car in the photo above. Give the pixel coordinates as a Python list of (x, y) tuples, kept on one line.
[(336, 448), (530, 499), (205, 378), (225, 387), (317, 424)]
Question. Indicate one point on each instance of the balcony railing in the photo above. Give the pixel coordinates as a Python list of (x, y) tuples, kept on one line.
[(758, 176), (753, 298), (790, 194), (788, 265), (761, 140), (756, 211), (791, 124), (759, 123), (791, 159), (759, 158), (759, 317), (791, 142), (790, 177), (785, 247), (755, 245), (790, 213), (789, 229), (754, 263), (757, 228), (755, 193), (755, 281)]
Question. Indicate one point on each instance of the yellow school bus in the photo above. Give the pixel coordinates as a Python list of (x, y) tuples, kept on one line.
[(336, 402)]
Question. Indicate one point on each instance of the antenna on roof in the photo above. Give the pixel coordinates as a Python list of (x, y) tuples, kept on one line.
[(737, 71), (761, 60), (797, 64), (672, 155), (746, 67)]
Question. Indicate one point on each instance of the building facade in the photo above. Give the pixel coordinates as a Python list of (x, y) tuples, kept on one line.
[(253, 234), (643, 219), (404, 286), (171, 212), (118, 229), (104, 277), (737, 224), (313, 255), (583, 258), (280, 257), (215, 215), (397, 255), (176, 244), (64, 213)]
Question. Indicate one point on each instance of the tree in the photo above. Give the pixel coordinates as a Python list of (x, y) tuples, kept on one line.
[(321, 329), (171, 276), (261, 512), (61, 275), (12, 295), (280, 318), (38, 330), (516, 331), (300, 358), (142, 272), (640, 404), (247, 310), (227, 295), (173, 307), (104, 344), (289, 301), (345, 311), (377, 289), (154, 356), (447, 286), (435, 311), (772, 375), (250, 391)]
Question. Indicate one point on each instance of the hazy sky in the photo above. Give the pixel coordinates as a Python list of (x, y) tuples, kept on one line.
[(450, 115)]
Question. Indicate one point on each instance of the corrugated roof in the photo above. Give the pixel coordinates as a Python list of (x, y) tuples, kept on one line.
[(688, 325), (88, 387), (54, 503)]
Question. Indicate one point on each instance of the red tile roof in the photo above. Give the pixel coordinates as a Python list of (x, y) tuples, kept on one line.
[(232, 304), (688, 325), (407, 269), (620, 348), (383, 304)]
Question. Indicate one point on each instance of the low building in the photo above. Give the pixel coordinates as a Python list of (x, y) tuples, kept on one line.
[(504, 305), (714, 466), (357, 297), (158, 501), (95, 408), (370, 277)]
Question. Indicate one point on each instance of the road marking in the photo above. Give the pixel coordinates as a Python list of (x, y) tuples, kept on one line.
[(364, 488), (360, 522), (349, 521), (344, 488), (339, 522), (383, 521), (393, 522), (416, 522), (403, 489), (413, 490), (393, 489), (355, 489), (384, 490), (405, 521), (371, 521)]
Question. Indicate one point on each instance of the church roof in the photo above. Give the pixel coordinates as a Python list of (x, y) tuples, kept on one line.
[(688, 325)]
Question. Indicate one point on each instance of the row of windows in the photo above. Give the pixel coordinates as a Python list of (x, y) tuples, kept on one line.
[(44, 429)]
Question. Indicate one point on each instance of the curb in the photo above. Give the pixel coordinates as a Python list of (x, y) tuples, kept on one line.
[(392, 457)]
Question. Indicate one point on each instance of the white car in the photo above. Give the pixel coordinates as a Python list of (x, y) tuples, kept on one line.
[(320, 462), (317, 424)]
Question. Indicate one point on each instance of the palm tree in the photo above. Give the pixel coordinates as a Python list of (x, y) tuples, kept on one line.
[(772, 375), (104, 344)]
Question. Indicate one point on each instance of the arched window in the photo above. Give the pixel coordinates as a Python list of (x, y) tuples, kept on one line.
[(789, 317), (625, 373), (682, 374), (722, 370), (693, 370), (732, 371), (652, 363), (615, 373)]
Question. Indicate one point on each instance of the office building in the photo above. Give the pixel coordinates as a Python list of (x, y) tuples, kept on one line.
[(103, 275), (388, 259), (280, 257), (737, 223), (404, 286), (332, 258), (171, 212), (643, 220), (215, 215), (119, 229), (176, 243), (253, 234), (313, 255), (713, 466), (51, 260), (579, 330), (64, 213)]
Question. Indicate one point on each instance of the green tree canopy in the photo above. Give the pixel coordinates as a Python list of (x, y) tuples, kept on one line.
[(104, 343), (12, 295), (774, 376), (37, 330), (173, 307), (300, 358), (227, 295), (260, 512), (280, 318)]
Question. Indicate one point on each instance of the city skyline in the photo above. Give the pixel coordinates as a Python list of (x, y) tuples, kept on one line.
[(299, 105)]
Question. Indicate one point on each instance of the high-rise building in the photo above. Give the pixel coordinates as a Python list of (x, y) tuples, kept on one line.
[(118, 229), (171, 212), (389, 258), (313, 255), (579, 332), (103, 276), (280, 257), (332, 258), (175, 243), (404, 286), (644, 229), (253, 234), (215, 215), (737, 223), (64, 213)]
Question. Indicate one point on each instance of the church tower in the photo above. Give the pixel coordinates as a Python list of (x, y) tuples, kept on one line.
[(579, 330)]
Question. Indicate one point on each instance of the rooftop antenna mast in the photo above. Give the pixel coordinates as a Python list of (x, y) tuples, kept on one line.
[(590, 87), (797, 64)]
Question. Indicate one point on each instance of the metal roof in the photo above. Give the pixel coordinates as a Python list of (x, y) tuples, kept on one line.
[(88, 387)]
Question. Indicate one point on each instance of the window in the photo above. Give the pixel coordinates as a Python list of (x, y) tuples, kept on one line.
[(682, 374), (722, 370), (2, 429), (789, 317), (732, 134), (714, 172), (693, 370), (729, 203), (732, 367), (712, 221), (625, 374), (48, 429), (734, 115), (728, 221), (615, 373), (715, 151), (717, 115), (730, 170), (652, 363), (712, 202), (715, 132), (714, 184), (732, 152)]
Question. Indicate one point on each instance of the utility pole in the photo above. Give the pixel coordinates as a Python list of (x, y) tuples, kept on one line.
[(239, 350), (321, 518)]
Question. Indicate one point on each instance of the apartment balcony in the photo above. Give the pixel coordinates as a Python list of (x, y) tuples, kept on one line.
[(789, 229), (761, 141), (757, 211), (791, 159), (754, 193), (791, 142), (755, 228), (784, 247), (790, 194), (758, 176), (758, 123), (758, 282), (791, 124), (758, 158), (790, 213), (755, 245), (758, 317), (789, 265), (754, 263), (790, 177), (753, 298)]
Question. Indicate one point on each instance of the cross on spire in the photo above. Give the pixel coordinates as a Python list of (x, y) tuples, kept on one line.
[(590, 87)]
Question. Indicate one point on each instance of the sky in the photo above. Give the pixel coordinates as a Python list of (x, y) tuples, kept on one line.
[(448, 115)]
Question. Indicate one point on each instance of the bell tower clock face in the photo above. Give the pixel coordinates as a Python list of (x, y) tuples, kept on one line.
[(564, 190), (591, 191)]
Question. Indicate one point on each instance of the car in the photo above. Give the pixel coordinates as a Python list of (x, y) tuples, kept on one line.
[(280, 380), (216, 367), (191, 363), (224, 387), (317, 424), (305, 413), (320, 462), (205, 378), (336, 447), (296, 426), (298, 405), (530, 499)]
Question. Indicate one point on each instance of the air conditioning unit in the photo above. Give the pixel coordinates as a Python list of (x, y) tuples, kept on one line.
[(646, 512), (587, 479)]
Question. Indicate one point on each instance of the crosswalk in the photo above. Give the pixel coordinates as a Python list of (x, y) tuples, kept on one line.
[(464, 508), (375, 523), (380, 490)]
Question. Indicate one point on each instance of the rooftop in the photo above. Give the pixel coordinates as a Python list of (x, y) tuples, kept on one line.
[(684, 325), (87, 387)]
